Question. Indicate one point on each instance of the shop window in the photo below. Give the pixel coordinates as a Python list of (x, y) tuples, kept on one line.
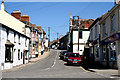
[(9, 54), (18, 54), (97, 53), (104, 55), (112, 52)]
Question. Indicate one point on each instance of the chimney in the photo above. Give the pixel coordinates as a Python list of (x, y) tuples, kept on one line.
[(2, 6), (25, 18), (16, 14), (86, 24)]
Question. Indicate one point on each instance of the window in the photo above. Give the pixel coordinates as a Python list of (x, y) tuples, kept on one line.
[(21, 55), (18, 39), (97, 52), (104, 29), (37, 35), (37, 47), (18, 54), (104, 55), (96, 31), (80, 34), (113, 22), (7, 33), (9, 54), (14, 37), (26, 42), (91, 34), (112, 52)]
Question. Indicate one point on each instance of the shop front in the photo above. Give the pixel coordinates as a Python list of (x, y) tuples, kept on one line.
[(109, 51)]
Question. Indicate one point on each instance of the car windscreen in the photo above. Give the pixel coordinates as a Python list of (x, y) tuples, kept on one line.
[(74, 55)]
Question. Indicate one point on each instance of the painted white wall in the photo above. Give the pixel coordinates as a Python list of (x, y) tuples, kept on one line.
[(16, 47), (0, 54), (75, 49), (46, 43), (85, 36), (28, 31), (12, 22)]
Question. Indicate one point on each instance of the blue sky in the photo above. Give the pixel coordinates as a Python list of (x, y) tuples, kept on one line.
[(56, 14), (59, 0)]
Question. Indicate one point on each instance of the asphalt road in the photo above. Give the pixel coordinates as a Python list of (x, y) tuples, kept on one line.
[(51, 67)]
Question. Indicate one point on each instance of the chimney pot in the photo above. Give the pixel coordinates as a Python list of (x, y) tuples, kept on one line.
[(25, 18), (16, 14), (2, 5)]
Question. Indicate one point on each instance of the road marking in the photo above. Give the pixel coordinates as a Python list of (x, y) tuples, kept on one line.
[(55, 60), (52, 65)]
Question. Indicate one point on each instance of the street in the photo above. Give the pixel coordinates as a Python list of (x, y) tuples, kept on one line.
[(51, 67)]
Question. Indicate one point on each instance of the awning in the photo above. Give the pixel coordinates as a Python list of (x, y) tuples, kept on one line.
[(8, 43)]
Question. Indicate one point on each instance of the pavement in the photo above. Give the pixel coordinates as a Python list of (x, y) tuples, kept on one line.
[(99, 69), (31, 61)]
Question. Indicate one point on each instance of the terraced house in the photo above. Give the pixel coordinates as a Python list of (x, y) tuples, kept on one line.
[(110, 37), (14, 45)]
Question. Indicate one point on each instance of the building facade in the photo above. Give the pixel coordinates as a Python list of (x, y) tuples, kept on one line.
[(14, 43), (110, 43), (94, 40), (78, 34)]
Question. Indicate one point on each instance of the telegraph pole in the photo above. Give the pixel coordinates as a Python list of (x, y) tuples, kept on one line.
[(57, 35), (49, 38)]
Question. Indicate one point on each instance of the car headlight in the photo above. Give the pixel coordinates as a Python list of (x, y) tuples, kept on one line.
[(70, 59)]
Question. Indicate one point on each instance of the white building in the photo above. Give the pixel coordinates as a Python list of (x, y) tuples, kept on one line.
[(83, 37), (14, 45), (79, 34)]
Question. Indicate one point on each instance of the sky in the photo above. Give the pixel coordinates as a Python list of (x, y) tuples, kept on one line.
[(59, 0), (56, 14)]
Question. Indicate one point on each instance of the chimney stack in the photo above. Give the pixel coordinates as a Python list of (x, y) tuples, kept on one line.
[(2, 5), (25, 18), (16, 14)]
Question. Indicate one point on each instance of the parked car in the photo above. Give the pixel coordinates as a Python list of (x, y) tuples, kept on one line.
[(74, 58), (61, 55), (66, 56)]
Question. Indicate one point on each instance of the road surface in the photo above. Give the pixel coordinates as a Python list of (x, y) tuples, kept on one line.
[(51, 67)]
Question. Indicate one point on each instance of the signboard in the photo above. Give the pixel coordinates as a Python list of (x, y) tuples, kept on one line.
[(111, 39)]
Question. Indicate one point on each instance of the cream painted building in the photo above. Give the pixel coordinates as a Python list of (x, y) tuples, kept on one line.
[(14, 45)]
